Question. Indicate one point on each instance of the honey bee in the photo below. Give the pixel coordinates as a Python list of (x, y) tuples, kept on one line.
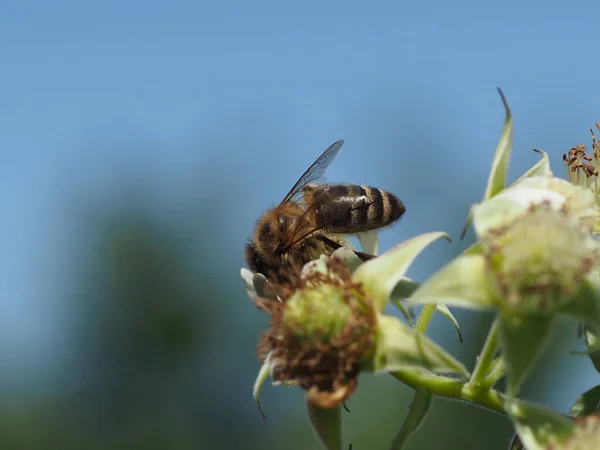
[(315, 218)]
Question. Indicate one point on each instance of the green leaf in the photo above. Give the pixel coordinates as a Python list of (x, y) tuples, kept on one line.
[(464, 282), (497, 177), (593, 344), (399, 347), (380, 275), (541, 168), (522, 340), (263, 373), (586, 403), (537, 425), (443, 309), (417, 412), (327, 424), (585, 305)]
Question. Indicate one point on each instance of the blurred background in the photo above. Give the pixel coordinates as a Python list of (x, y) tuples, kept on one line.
[(139, 142)]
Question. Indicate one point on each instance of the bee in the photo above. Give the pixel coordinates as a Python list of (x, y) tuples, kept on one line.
[(315, 218)]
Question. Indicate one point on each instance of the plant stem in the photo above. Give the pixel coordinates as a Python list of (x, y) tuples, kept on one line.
[(422, 397), (475, 391), (497, 371), (484, 361), (450, 388), (417, 411), (326, 423), (424, 318)]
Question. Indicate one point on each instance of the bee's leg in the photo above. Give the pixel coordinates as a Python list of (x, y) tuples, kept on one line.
[(330, 243), (365, 256)]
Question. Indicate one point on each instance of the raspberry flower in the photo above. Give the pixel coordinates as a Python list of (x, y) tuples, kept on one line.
[(535, 258), (329, 327)]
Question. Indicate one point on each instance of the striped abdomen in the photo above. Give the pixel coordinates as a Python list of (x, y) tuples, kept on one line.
[(350, 208)]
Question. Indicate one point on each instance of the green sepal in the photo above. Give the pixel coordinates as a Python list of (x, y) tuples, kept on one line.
[(369, 241), (327, 424), (402, 291), (257, 285), (593, 344), (404, 288), (475, 249), (586, 403), (443, 309), (539, 169), (537, 425), (349, 257), (379, 276), (522, 340), (263, 373), (464, 282), (585, 305), (399, 347), (497, 177), (406, 312), (516, 443), (463, 233)]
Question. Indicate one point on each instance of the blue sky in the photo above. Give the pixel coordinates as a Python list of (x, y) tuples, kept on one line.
[(188, 91)]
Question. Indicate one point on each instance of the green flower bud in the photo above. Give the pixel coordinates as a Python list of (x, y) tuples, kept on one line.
[(309, 313), (579, 202), (321, 335), (539, 259)]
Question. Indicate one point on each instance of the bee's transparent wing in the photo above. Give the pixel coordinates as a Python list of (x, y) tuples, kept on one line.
[(315, 171)]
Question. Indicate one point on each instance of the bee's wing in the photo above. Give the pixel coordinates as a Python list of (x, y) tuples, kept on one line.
[(316, 170)]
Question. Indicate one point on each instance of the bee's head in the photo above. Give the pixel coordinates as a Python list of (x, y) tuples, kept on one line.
[(275, 233)]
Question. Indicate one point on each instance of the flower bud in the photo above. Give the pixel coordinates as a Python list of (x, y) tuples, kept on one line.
[(322, 333), (539, 259), (580, 203)]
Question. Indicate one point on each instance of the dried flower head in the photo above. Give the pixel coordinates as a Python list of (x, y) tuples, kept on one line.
[(321, 332)]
